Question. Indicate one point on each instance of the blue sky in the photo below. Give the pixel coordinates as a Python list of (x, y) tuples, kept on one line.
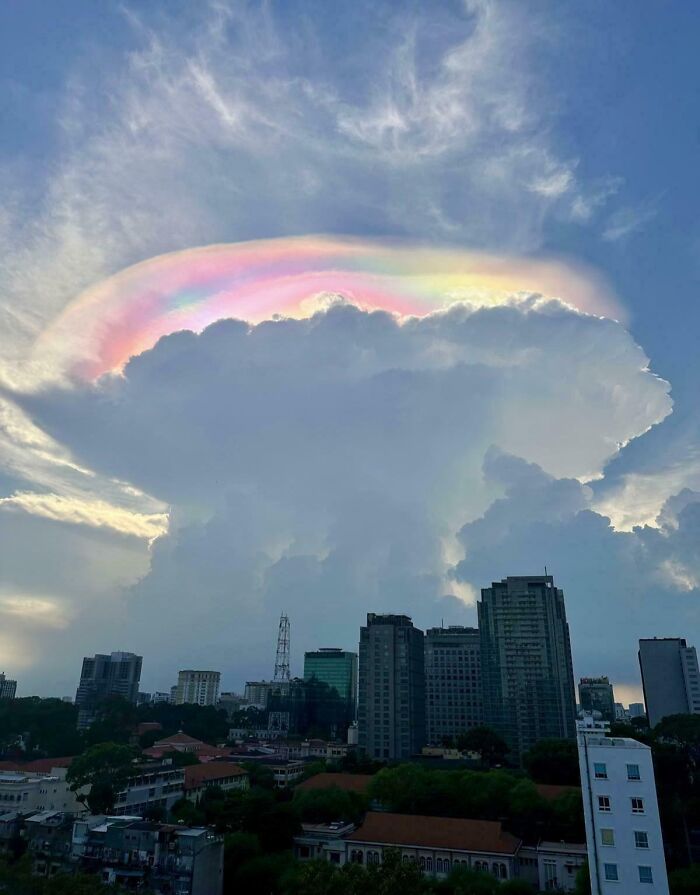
[(547, 129)]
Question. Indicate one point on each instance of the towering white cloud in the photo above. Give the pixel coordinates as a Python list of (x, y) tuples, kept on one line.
[(324, 466)]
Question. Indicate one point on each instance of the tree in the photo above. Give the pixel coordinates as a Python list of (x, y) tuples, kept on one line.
[(583, 881), (326, 805), (553, 761), (114, 722), (685, 881), (684, 730), (105, 768), (492, 748), (48, 727)]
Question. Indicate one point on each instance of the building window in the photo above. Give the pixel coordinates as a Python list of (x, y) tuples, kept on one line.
[(611, 874), (604, 803), (645, 875), (607, 837), (637, 805), (601, 771), (438, 865), (633, 772), (641, 839)]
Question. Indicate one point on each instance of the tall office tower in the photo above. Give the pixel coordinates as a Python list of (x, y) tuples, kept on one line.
[(670, 678), (636, 710), (454, 701), (526, 670), (8, 688), (198, 687), (337, 669), (595, 694), (115, 675), (623, 831), (391, 708)]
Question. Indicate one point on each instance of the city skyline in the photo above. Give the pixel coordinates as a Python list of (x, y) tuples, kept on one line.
[(330, 311), (628, 694)]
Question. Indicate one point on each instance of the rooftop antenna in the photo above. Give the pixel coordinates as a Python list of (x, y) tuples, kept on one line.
[(278, 721)]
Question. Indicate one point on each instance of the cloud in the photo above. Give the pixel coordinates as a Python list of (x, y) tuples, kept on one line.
[(626, 221), (96, 513), (322, 466), (248, 123), (619, 585)]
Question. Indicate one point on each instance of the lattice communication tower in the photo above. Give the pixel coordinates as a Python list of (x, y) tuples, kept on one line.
[(282, 658)]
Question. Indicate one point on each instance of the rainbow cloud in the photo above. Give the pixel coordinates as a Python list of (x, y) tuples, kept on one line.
[(291, 277)]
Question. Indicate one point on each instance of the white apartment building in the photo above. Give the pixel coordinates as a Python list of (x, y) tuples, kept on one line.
[(199, 687), (623, 831)]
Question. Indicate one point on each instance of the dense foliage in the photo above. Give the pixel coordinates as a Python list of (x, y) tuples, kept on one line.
[(46, 726), (488, 795)]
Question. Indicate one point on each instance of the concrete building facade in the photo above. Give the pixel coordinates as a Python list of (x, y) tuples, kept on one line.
[(117, 674), (391, 706), (25, 792), (526, 668), (623, 830), (670, 677), (453, 693), (197, 687), (8, 688)]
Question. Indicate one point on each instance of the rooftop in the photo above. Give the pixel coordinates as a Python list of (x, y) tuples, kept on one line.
[(616, 743), (569, 848), (198, 774), (38, 766), (452, 833), (347, 782)]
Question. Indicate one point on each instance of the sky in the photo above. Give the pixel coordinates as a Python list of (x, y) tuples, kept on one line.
[(333, 308)]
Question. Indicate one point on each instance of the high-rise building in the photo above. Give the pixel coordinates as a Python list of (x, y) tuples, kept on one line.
[(596, 695), (8, 688), (102, 676), (337, 669), (623, 830), (526, 669), (454, 701), (198, 687), (670, 677), (391, 706), (636, 710)]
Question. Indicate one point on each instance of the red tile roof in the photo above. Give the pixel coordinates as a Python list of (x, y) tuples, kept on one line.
[(38, 766), (180, 739), (347, 782), (551, 791), (198, 774), (451, 833)]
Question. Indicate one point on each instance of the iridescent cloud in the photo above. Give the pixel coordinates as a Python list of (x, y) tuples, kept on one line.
[(290, 277)]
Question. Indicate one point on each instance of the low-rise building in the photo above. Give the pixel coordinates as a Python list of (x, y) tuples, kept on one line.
[(436, 844), (322, 842), (224, 775), (182, 742), (28, 792), (154, 786), (49, 836), (11, 825), (551, 866), (139, 855)]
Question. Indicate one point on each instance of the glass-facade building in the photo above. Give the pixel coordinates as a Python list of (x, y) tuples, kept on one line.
[(337, 669)]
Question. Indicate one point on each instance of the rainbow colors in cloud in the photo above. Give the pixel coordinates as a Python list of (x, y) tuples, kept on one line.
[(291, 277)]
